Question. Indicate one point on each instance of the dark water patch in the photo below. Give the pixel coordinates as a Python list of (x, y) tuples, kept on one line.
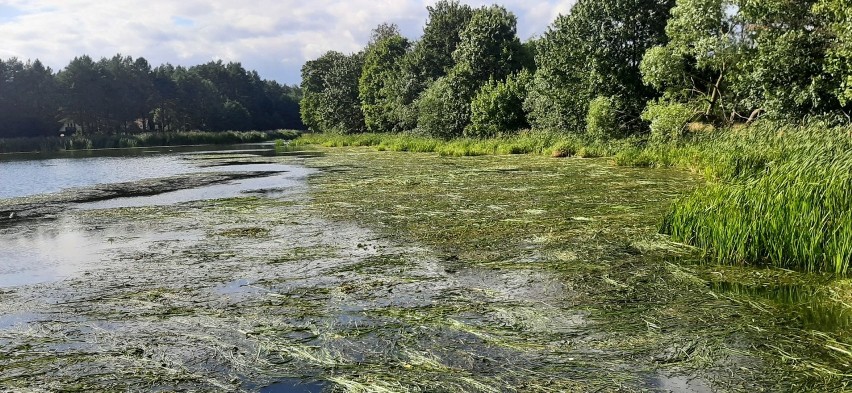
[(295, 385), (812, 305)]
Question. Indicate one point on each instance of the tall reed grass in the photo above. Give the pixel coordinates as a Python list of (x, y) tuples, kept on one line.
[(797, 216)]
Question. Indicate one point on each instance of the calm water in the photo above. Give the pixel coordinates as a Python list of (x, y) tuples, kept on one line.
[(26, 175), (52, 250)]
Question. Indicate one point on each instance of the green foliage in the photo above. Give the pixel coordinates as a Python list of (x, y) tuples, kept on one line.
[(525, 142), (444, 109), (489, 44), (29, 98), (741, 58), (838, 16), (429, 59), (381, 63), (489, 49), (331, 100), (595, 51), (602, 119), (668, 120), (498, 107), (797, 216)]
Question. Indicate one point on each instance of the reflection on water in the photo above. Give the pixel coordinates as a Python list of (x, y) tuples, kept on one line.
[(25, 178), (812, 305), (56, 250), (26, 175)]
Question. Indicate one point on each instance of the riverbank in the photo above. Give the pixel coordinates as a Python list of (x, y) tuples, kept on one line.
[(148, 139)]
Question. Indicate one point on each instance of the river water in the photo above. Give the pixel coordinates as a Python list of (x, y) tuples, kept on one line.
[(58, 249), (24, 175)]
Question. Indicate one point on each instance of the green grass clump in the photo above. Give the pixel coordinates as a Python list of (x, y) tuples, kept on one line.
[(526, 142), (797, 216)]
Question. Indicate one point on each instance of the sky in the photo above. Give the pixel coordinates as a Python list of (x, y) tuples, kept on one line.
[(274, 37)]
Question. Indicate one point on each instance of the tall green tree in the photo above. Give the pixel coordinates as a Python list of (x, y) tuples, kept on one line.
[(82, 88), (376, 91), (595, 51), (331, 101), (429, 58), (28, 99), (489, 49), (837, 14)]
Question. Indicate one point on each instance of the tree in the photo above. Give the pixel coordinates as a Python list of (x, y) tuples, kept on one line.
[(733, 60), (429, 59), (489, 49), (595, 51), (444, 109), (837, 14), (331, 100), (489, 44), (81, 87), (28, 99), (381, 63)]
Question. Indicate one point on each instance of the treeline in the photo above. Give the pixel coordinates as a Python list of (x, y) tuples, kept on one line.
[(122, 94), (608, 69)]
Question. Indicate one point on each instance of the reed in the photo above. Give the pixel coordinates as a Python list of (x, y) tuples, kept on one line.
[(796, 216)]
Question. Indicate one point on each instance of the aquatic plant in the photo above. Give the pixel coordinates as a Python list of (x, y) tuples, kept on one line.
[(797, 216)]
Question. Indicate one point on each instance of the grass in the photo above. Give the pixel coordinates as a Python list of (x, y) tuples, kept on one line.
[(527, 142), (797, 216), (150, 139)]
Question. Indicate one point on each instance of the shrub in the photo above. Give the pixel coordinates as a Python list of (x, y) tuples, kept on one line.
[(668, 120), (602, 119), (498, 107)]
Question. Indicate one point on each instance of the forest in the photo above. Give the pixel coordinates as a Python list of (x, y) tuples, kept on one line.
[(608, 69), (125, 95)]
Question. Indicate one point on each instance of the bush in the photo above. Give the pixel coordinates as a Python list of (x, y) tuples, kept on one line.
[(668, 120), (498, 107), (602, 119)]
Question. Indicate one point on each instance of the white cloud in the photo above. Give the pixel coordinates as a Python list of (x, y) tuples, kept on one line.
[(274, 37)]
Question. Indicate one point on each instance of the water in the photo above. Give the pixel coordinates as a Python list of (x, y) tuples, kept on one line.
[(26, 178), (55, 250), (48, 251), (283, 180), (27, 175), (811, 305)]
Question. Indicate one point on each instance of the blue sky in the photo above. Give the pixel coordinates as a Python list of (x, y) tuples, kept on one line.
[(274, 37)]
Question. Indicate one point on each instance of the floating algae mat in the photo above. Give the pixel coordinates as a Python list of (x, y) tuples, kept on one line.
[(404, 272)]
